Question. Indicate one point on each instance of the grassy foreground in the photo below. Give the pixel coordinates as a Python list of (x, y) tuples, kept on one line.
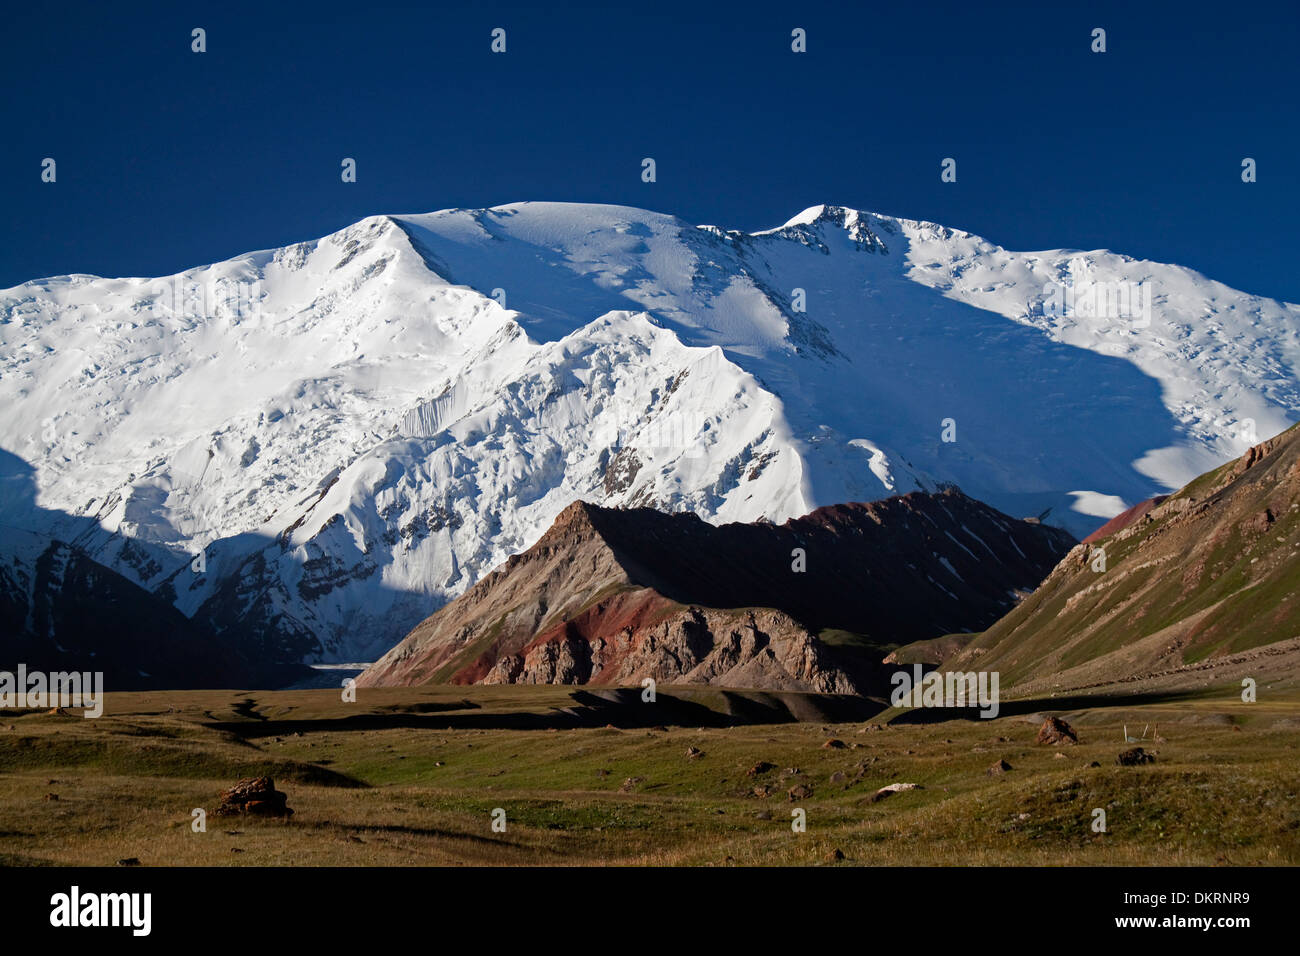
[(412, 777)]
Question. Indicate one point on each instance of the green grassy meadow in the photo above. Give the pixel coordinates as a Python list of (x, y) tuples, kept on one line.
[(412, 777)]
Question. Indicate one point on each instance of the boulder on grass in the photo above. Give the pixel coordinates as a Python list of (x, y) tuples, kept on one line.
[(256, 796), (890, 789), (1135, 757), (1056, 731)]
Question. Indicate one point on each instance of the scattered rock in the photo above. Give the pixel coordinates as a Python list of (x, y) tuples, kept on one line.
[(761, 767), (834, 744), (762, 792), (890, 789), (51, 796), (256, 796), (1134, 757), (1000, 767), (694, 753), (629, 783), (1056, 731), (129, 861), (1094, 764), (838, 777), (859, 771), (800, 791), (763, 815), (835, 855), (1058, 755)]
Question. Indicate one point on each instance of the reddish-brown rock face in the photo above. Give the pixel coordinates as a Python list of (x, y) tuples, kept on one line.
[(612, 596), (1125, 518)]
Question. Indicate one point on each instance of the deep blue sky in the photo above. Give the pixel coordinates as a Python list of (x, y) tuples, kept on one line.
[(168, 159)]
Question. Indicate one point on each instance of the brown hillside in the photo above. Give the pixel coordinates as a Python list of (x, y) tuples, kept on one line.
[(612, 596), (1208, 574)]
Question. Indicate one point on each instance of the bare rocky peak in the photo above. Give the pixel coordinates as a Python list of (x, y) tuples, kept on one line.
[(612, 596)]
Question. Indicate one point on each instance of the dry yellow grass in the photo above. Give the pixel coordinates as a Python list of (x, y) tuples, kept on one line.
[(409, 784)]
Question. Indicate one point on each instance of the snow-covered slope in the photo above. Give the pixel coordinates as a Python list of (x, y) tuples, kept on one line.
[(353, 430)]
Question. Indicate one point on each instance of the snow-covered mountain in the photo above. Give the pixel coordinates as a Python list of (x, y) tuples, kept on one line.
[(353, 430)]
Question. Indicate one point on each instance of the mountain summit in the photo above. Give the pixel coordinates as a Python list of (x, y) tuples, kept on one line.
[(615, 596), (353, 430)]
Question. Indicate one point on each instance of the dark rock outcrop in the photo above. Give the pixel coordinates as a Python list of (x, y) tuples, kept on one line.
[(1135, 757), (60, 610)]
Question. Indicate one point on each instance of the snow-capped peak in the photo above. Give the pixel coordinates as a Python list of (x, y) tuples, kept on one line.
[(354, 429)]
